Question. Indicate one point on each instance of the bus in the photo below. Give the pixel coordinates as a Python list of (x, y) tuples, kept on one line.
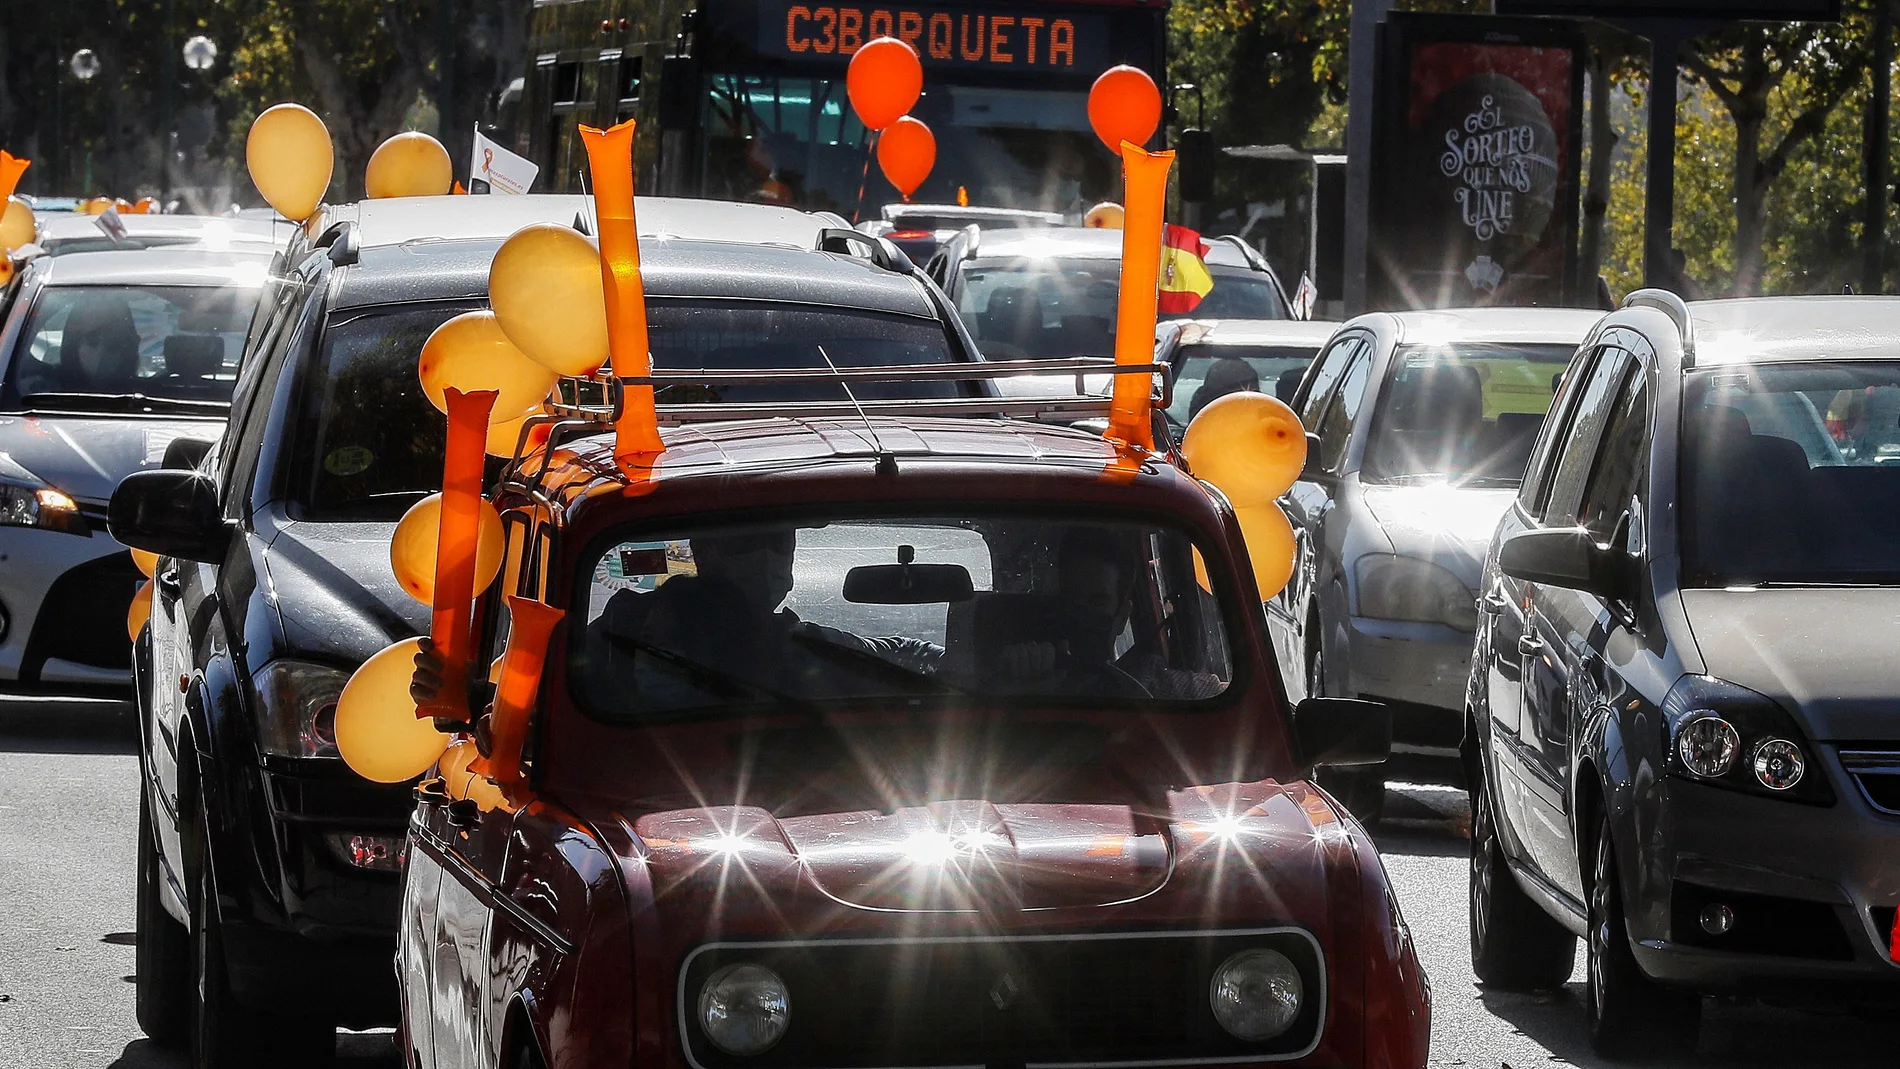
[(745, 99)]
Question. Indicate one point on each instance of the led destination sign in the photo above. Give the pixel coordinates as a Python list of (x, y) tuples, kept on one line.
[(1000, 38)]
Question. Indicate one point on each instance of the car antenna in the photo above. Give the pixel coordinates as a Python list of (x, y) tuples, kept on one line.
[(886, 460)]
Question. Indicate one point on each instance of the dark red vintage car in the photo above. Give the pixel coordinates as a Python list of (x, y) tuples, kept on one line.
[(897, 740)]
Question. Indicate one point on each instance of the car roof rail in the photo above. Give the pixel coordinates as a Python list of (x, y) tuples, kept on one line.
[(342, 240), (1671, 305), (974, 235), (884, 254)]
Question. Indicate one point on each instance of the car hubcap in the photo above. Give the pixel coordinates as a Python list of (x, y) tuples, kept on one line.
[(1481, 873)]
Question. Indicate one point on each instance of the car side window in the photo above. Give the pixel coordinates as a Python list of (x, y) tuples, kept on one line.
[(1335, 429), (1535, 492), (1331, 365), (245, 440), (277, 310), (1594, 408), (1622, 460)]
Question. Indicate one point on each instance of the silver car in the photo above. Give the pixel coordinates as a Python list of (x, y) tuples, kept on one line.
[(1420, 426), (106, 360)]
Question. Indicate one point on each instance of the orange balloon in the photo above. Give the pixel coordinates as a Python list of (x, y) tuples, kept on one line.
[(412, 548), (546, 289), (141, 610), (905, 153), (1269, 545), (884, 81), (470, 352), (1124, 105), (96, 205), (146, 206), (1107, 215), (410, 164), (17, 227), (1251, 445), (377, 730)]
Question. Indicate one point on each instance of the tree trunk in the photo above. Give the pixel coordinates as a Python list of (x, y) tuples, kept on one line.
[(1750, 112), (1596, 197)]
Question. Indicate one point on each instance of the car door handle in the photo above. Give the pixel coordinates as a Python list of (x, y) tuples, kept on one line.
[(167, 581), (1529, 645)]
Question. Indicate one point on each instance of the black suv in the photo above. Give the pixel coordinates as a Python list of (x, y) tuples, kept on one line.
[(268, 871), (1684, 719)]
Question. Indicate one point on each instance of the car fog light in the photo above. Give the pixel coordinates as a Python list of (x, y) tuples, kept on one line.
[(1707, 746), (744, 1009), (1778, 764), (1256, 994), (1717, 918)]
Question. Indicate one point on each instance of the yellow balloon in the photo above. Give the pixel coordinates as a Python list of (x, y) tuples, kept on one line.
[(376, 727), (141, 610), (1269, 545), (1104, 216), (408, 165), (452, 766), (544, 285), (96, 205), (147, 562), (16, 226), (412, 548), (290, 159), (6, 270), (504, 437), (1251, 445), (471, 353)]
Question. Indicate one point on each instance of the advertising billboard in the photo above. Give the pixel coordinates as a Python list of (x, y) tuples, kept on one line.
[(1476, 163)]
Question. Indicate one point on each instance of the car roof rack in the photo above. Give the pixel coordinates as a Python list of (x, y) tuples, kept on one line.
[(343, 241), (882, 253), (589, 404), (1673, 306)]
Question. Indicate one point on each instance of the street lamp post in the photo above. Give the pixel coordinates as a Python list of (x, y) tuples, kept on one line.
[(85, 67)]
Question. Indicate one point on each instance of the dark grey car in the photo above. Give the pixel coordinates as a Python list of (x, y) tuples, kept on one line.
[(1684, 715)]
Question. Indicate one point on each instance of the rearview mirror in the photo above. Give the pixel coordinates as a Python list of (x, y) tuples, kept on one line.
[(1342, 731), (1571, 558), (907, 584), (171, 513)]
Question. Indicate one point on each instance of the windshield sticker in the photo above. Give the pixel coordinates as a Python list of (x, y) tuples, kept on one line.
[(349, 460)]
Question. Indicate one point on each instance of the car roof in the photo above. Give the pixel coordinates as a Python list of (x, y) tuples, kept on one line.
[(1504, 326), (669, 267), (204, 231), (895, 212), (1292, 332), (242, 265), (396, 220), (1078, 243), (1770, 329)]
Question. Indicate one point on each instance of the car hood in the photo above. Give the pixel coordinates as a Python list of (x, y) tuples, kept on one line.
[(86, 456), (974, 856), (1448, 525), (1822, 652), (336, 595)]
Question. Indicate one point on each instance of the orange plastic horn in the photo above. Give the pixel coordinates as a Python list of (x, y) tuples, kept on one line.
[(610, 159), (11, 167), (1146, 176), (456, 542), (522, 660)]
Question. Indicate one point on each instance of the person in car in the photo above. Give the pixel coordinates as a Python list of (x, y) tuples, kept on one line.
[(1227, 374), (98, 351)]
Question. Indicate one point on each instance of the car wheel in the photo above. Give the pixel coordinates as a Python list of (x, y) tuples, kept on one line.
[(224, 1033), (1515, 945), (1630, 1015), (162, 991), (1360, 788)]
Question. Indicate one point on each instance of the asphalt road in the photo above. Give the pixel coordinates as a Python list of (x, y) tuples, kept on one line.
[(68, 818)]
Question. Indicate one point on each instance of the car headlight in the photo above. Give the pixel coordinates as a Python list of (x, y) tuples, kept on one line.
[(744, 1009), (1256, 994), (1406, 588), (26, 505), (296, 708), (1728, 736)]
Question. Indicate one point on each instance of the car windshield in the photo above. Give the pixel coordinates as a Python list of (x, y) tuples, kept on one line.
[(1791, 474), (702, 621), (372, 445), (1052, 309), (1204, 372), (91, 347), (1462, 413)]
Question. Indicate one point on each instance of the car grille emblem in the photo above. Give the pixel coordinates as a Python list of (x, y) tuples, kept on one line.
[(1004, 991)]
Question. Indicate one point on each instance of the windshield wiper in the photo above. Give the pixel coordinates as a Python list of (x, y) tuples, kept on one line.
[(706, 673), (117, 402)]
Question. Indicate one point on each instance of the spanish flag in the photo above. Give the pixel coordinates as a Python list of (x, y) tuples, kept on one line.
[(1184, 275)]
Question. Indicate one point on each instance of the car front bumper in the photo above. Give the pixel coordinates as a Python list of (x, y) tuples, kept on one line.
[(1830, 875), (1422, 671), (65, 598)]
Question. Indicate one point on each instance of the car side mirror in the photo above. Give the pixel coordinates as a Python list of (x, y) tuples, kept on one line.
[(1311, 467), (1570, 558), (1343, 731), (171, 513)]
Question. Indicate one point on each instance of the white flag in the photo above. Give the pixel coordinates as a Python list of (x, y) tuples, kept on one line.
[(110, 222), (498, 170), (1305, 298)]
